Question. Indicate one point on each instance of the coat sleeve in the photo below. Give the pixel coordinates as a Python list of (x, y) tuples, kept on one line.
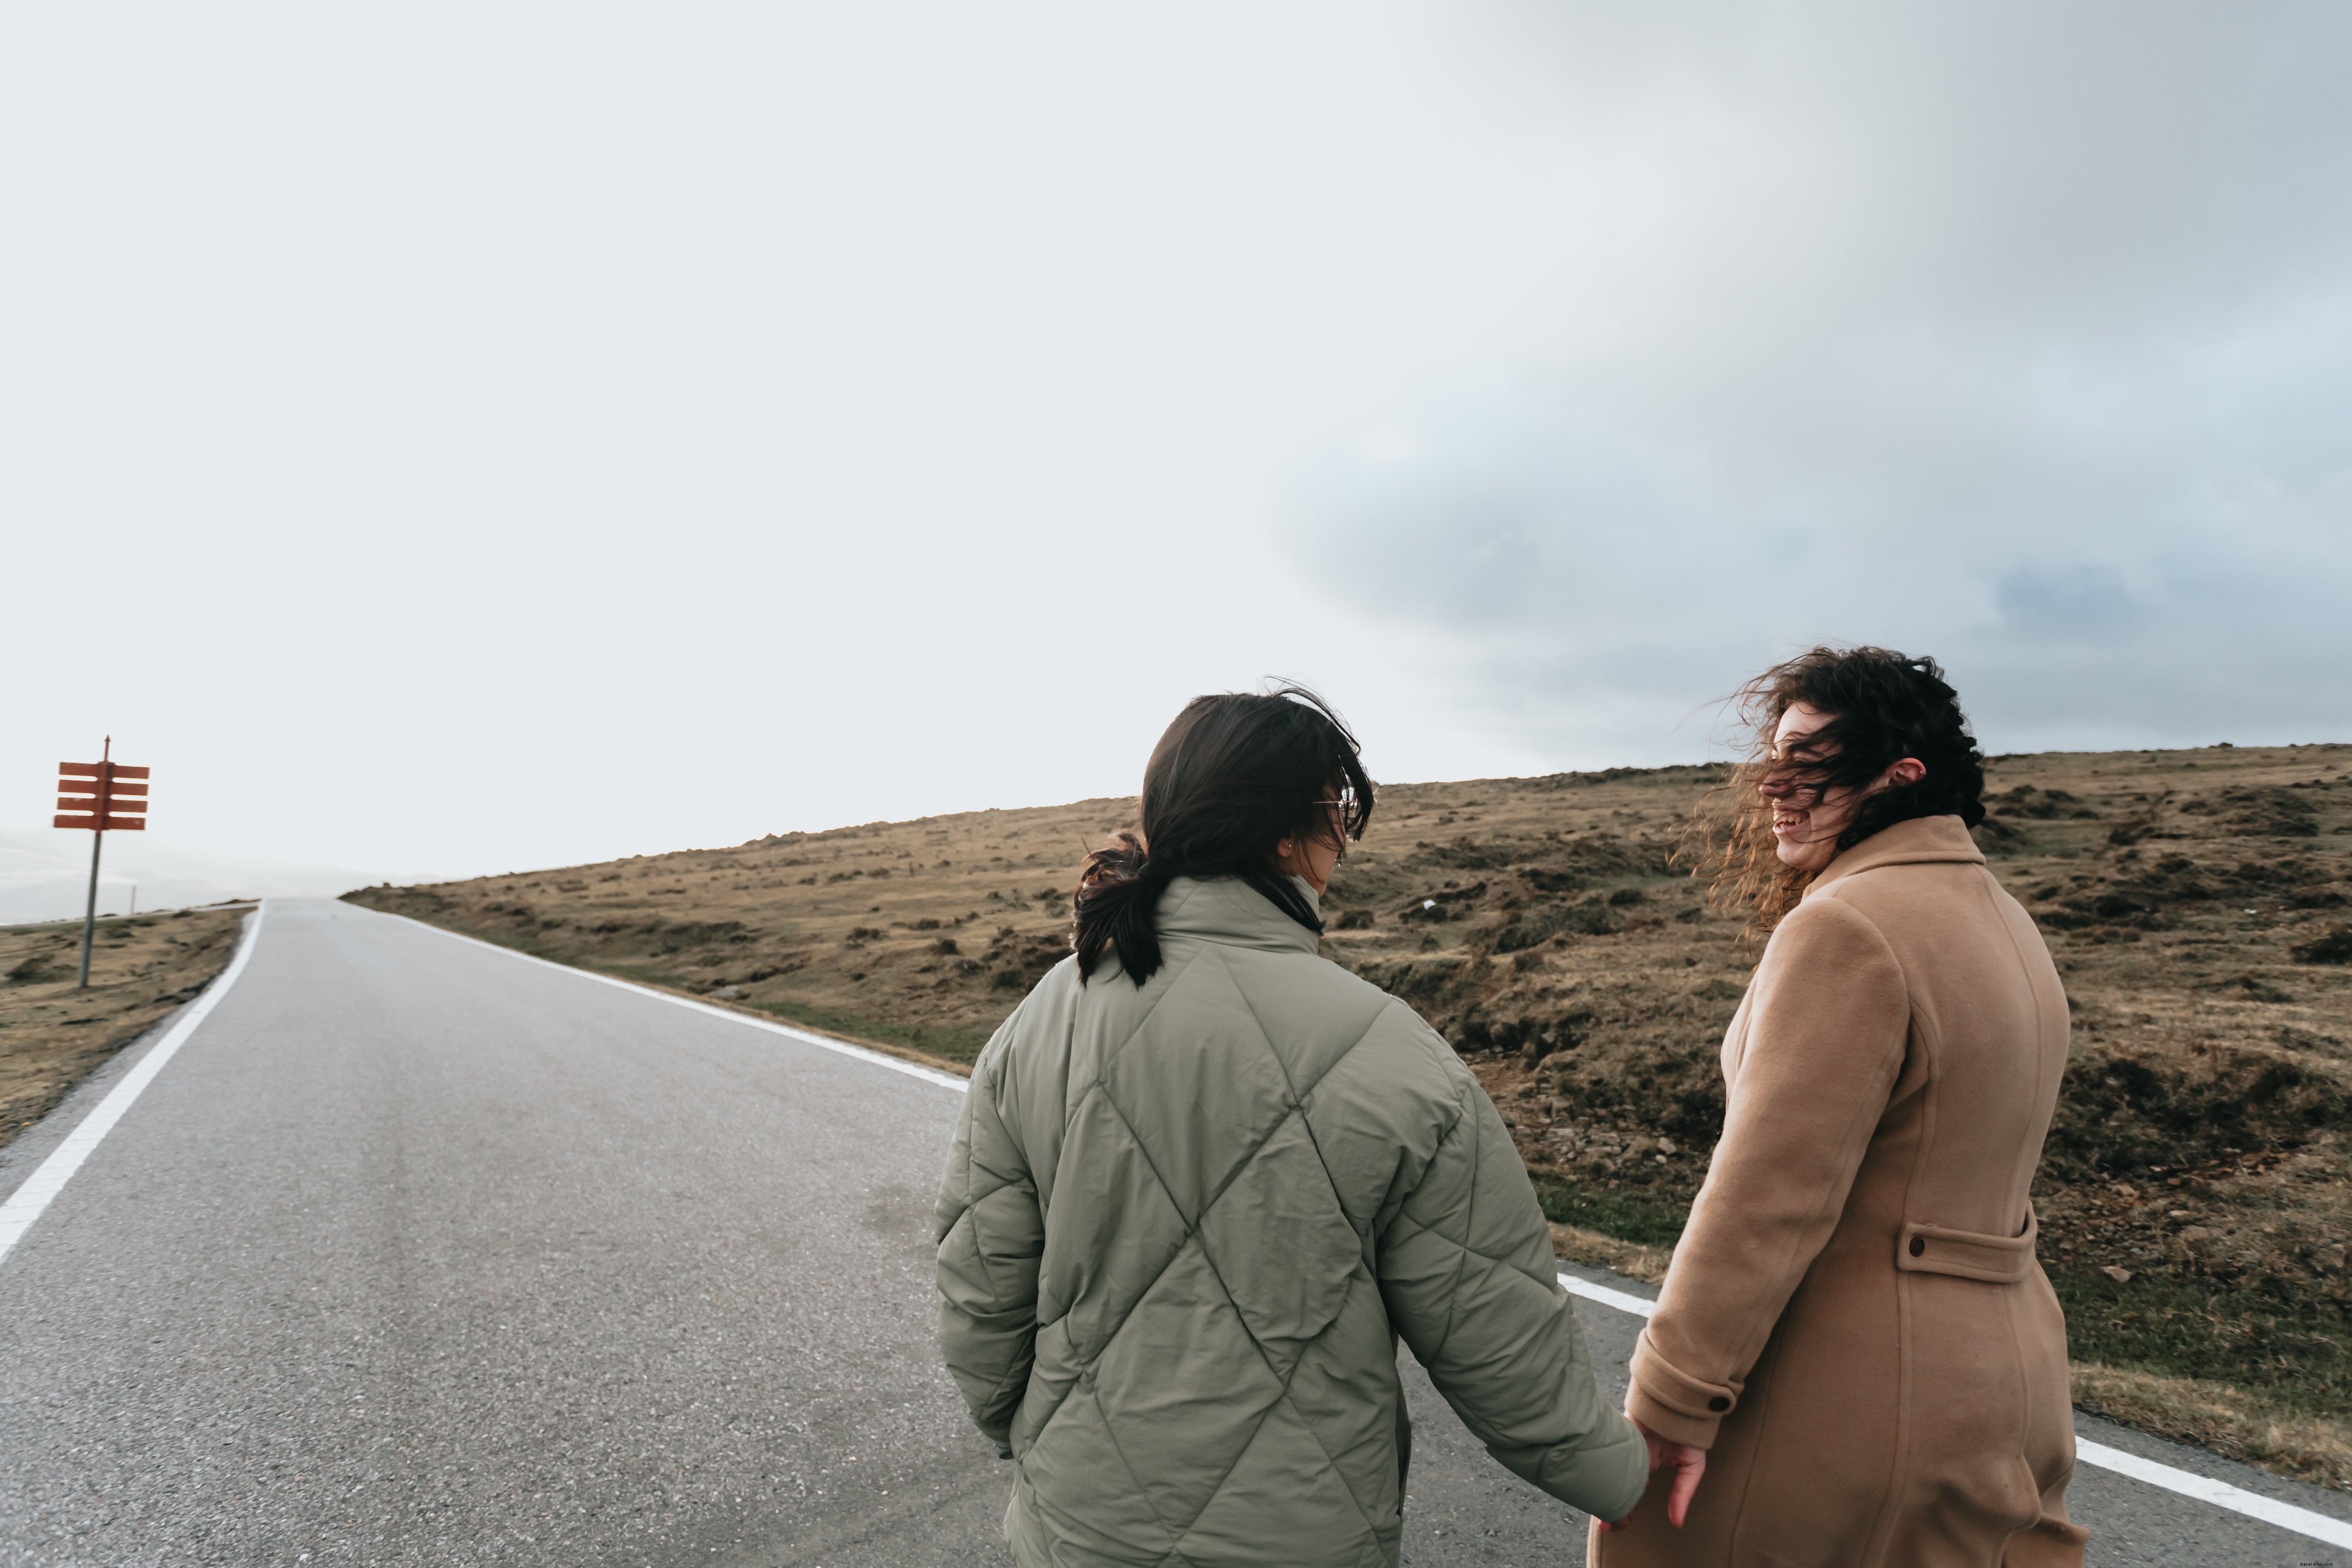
[(990, 1239), (1468, 1277), (1829, 1024)]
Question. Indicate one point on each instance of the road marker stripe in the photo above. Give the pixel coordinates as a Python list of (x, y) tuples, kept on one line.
[(2221, 1494), (1640, 1306), (822, 1042), (49, 1179), (2203, 1488)]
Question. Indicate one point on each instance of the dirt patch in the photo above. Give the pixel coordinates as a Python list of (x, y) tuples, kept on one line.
[(53, 1036)]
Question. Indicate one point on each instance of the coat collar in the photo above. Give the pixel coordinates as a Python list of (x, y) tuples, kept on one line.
[(1228, 910), (1920, 839)]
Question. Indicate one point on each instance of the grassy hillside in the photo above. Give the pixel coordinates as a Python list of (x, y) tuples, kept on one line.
[(2193, 1195), (53, 1036)]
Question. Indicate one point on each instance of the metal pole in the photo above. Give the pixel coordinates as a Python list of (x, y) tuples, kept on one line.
[(97, 838), (89, 911)]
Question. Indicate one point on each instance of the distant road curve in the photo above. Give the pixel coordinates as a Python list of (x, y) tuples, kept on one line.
[(401, 1248)]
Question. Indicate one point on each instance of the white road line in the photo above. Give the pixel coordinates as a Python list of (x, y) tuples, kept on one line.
[(912, 1069), (2221, 1494), (2204, 1489), (25, 1204), (1640, 1306)]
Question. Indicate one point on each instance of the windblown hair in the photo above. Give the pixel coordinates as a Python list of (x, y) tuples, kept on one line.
[(1234, 776), (1882, 706)]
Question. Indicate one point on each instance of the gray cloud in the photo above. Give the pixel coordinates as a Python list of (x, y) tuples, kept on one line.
[(2018, 338)]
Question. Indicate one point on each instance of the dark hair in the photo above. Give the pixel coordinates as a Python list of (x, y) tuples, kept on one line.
[(1881, 707), (1234, 776)]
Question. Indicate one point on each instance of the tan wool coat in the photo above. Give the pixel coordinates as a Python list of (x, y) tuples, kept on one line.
[(1854, 1325)]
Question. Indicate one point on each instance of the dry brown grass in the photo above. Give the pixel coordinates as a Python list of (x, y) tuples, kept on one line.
[(1631, 1258), (2193, 1197), (920, 934), (2215, 1415), (53, 1036)]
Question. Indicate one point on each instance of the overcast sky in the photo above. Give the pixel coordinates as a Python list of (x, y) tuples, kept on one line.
[(443, 439)]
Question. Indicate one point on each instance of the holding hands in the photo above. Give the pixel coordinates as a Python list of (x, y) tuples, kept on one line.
[(1688, 1464)]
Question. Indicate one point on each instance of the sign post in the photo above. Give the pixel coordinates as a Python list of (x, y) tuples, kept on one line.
[(99, 795)]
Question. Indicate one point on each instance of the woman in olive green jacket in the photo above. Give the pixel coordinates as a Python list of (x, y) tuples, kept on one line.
[(1205, 1179)]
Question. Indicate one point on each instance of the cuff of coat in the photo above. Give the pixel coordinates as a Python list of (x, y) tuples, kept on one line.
[(1671, 1403)]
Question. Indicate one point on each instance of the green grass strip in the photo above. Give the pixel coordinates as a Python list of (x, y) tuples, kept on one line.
[(1628, 1216)]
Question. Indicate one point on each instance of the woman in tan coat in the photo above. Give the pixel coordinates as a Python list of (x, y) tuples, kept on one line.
[(1856, 1360)]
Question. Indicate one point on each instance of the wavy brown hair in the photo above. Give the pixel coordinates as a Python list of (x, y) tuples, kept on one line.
[(1881, 707)]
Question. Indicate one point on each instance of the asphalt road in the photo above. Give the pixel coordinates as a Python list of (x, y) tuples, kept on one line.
[(421, 1253)]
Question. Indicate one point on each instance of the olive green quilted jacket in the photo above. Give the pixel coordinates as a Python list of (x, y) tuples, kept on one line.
[(1180, 1228)]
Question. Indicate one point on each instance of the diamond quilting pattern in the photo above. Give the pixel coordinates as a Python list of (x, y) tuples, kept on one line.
[(1186, 1406), (1106, 1252), (1269, 1263), (1281, 1245), (1283, 1460), (1097, 1504), (1201, 1048), (1310, 1025)]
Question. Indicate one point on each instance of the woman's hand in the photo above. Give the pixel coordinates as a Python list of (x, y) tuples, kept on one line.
[(1689, 1464)]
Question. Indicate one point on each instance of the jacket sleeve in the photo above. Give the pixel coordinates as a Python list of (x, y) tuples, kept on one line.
[(1467, 1273), (990, 1239), (1830, 1020)]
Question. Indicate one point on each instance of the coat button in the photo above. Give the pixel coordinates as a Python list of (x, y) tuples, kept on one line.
[(1918, 1245), (1718, 1405)]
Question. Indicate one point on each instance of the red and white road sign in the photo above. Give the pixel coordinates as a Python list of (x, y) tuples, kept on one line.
[(107, 797)]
